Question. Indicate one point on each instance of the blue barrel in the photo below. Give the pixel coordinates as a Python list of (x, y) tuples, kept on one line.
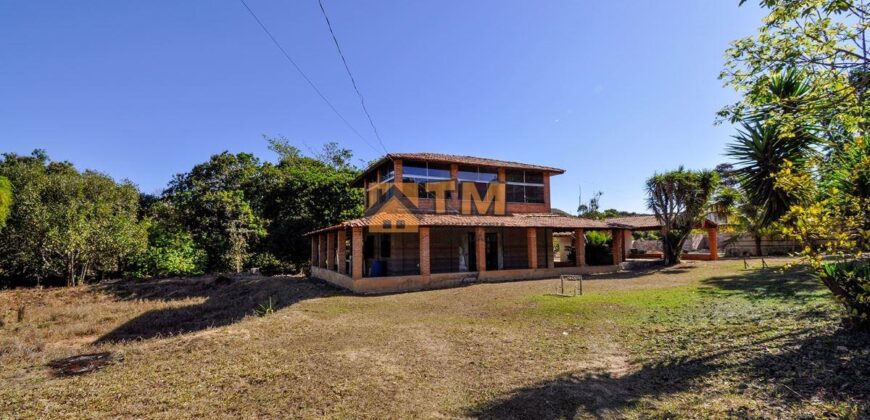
[(379, 268)]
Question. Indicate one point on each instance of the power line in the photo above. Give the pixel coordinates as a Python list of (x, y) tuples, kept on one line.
[(362, 99), (304, 76)]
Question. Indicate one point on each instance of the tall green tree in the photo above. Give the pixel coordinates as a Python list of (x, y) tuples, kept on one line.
[(5, 200), (305, 194), (824, 41), (680, 200), (215, 201), (65, 223)]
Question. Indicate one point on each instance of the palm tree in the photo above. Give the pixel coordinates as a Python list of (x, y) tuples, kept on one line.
[(680, 200), (760, 151)]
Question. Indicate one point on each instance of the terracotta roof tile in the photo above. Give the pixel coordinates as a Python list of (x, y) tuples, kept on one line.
[(472, 160), (636, 222), (538, 220), (647, 222), (460, 159)]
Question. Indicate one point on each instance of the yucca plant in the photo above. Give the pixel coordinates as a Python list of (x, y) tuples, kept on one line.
[(761, 150), (265, 308)]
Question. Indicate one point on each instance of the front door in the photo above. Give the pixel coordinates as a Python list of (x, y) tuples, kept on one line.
[(491, 251)]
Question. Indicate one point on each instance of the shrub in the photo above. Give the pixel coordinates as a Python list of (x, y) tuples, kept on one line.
[(598, 250), (170, 253), (269, 264), (852, 278), (265, 308)]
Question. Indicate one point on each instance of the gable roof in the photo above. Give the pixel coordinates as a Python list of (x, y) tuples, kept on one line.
[(458, 159)]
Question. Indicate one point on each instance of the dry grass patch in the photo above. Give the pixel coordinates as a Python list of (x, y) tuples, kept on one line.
[(704, 339)]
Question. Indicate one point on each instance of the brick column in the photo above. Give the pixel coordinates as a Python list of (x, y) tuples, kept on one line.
[(341, 253), (480, 248), (357, 252), (532, 247), (314, 250), (548, 248), (330, 253), (580, 247), (317, 256), (616, 245), (321, 260), (425, 268), (712, 239)]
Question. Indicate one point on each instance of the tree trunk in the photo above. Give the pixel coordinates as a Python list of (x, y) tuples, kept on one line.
[(70, 272), (672, 249), (758, 245)]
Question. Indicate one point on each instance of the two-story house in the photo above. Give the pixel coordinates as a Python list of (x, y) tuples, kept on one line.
[(435, 220)]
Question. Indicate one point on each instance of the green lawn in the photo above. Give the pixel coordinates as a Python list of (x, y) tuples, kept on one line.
[(701, 340)]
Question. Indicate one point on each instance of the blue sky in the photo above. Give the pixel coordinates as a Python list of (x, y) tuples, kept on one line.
[(610, 91)]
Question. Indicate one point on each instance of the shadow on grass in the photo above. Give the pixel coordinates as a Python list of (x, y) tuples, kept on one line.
[(225, 302), (644, 268), (809, 366), (796, 284)]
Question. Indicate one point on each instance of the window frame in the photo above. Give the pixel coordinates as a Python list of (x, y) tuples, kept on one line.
[(525, 185)]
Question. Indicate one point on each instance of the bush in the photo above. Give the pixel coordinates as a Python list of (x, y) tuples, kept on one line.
[(269, 264), (852, 278), (598, 249), (596, 238), (170, 253)]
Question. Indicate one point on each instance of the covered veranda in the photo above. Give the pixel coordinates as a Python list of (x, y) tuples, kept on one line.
[(432, 251), (651, 223)]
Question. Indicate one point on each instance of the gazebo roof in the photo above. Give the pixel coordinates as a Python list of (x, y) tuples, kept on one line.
[(648, 222)]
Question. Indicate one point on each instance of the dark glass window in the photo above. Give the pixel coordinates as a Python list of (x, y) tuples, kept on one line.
[(514, 176), (412, 169), (477, 174), (515, 194), (486, 175), (386, 171), (482, 188), (423, 172), (534, 194), (439, 171), (534, 178), (467, 175), (525, 187)]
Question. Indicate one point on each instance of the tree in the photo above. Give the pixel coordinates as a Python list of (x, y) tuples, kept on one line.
[(590, 209), (215, 201), (823, 41), (295, 199), (760, 151), (67, 223), (172, 250), (5, 200), (680, 200)]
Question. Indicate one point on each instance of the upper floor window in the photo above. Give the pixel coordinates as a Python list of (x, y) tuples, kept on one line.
[(480, 176), (386, 173), (423, 172), (524, 187)]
